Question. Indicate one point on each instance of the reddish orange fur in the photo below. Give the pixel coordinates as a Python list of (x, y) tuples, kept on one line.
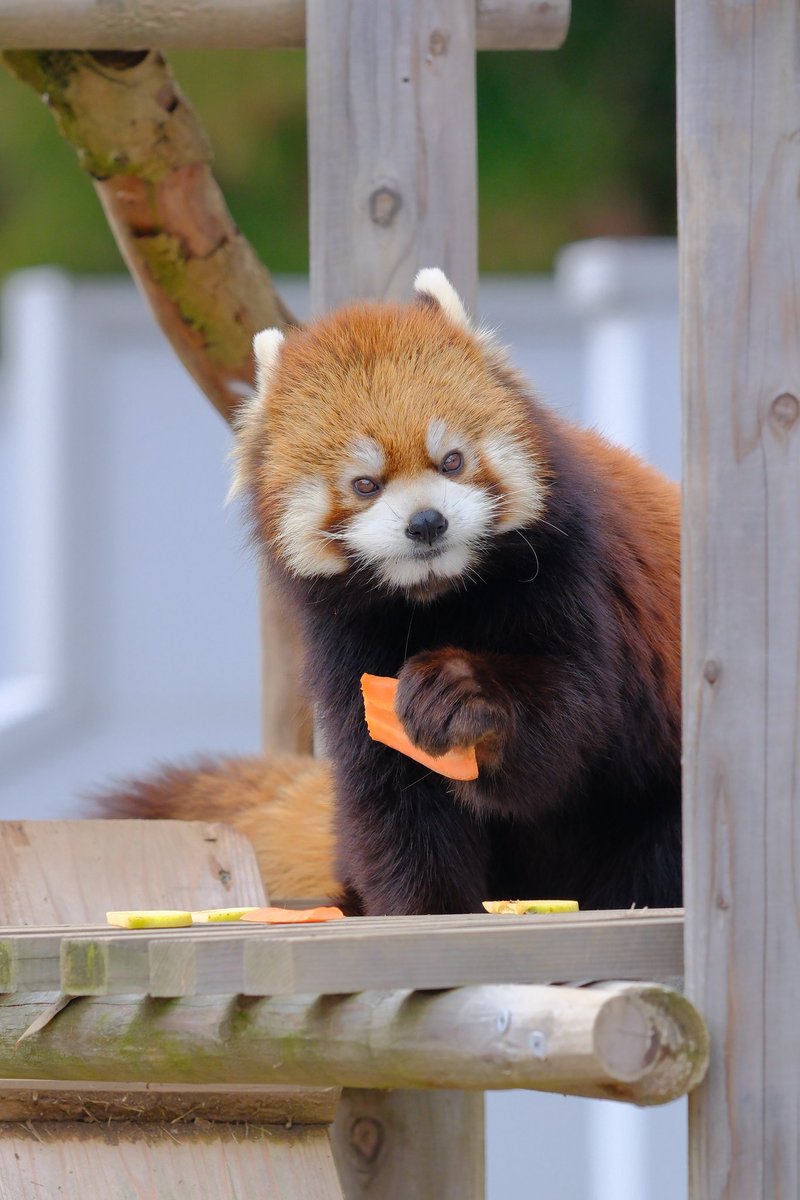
[(283, 804), (412, 360)]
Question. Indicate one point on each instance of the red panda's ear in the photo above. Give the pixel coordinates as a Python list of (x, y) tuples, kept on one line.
[(433, 285), (266, 348)]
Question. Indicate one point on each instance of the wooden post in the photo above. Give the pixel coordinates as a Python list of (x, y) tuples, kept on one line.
[(392, 156), (392, 171), (739, 165)]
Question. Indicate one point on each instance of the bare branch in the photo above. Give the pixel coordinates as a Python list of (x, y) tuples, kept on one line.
[(137, 136)]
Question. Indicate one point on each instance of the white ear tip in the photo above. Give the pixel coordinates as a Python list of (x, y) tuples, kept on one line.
[(432, 282), (266, 345)]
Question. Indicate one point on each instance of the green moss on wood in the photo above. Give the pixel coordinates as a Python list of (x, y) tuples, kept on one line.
[(8, 967)]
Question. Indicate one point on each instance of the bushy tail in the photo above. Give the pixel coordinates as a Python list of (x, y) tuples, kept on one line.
[(283, 804)]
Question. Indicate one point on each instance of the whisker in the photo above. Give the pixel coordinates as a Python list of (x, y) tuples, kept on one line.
[(535, 555), (416, 781)]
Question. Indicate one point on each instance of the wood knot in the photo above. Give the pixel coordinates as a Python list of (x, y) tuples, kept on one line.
[(784, 410), (437, 43), (367, 1136), (384, 205), (711, 671)]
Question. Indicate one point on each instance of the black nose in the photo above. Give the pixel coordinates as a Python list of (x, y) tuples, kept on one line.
[(426, 526)]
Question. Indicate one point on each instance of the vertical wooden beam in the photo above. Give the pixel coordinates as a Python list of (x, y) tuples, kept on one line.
[(392, 158), (410, 1145), (739, 166), (393, 184)]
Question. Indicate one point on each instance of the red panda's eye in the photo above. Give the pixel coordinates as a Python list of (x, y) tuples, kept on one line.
[(366, 487), (452, 462)]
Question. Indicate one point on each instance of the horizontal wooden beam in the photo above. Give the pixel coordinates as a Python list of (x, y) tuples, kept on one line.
[(234, 24), (344, 956), (637, 1042)]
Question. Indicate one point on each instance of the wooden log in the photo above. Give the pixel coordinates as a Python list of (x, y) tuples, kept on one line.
[(150, 161), (637, 1042), (392, 174), (218, 24), (344, 956), (739, 164)]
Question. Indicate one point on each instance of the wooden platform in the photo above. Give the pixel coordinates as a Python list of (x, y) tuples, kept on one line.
[(353, 955)]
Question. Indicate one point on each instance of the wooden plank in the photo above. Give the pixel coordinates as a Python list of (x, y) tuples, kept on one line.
[(639, 1042), (152, 1163), (62, 871), (739, 164), (74, 871), (346, 956), (429, 957), (391, 147), (233, 24)]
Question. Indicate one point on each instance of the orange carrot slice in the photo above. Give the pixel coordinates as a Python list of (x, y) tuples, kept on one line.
[(384, 726), (292, 916)]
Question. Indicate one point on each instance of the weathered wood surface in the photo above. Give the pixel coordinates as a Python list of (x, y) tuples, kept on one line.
[(393, 186), (409, 1145), (739, 165), (392, 157), (74, 871), (138, 138), (218, 24), (63, 872), (142, 1162), (84, 1100), (287, 721), (347, 956), (639, 1042)]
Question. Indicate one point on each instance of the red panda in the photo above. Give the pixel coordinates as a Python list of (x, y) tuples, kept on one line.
[(430, 519)]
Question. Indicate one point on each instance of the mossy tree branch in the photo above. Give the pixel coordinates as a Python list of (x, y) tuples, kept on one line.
[(138, 138)]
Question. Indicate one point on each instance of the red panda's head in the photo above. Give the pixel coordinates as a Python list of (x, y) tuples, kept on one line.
[(385, 440)]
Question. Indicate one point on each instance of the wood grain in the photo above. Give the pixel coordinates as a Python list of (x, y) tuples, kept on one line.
[(739, 164), (342, 957), (399, 1145), (639, 1042), (393, 186), (144, 1162), (70, 872), (392, 158), (75, 870), (219, 24)]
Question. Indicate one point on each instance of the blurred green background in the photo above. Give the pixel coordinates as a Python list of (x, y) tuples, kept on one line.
[(572, 144)]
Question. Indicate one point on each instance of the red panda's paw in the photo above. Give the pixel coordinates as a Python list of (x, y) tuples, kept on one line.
[(441, 703)]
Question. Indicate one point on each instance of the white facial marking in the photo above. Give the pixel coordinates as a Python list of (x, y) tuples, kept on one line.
[(365, 458), (302, 542), (522, 489), (440, 440), (431, 281), (377, 536)]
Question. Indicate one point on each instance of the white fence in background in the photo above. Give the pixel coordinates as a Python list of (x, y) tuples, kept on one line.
[(128, 610)]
